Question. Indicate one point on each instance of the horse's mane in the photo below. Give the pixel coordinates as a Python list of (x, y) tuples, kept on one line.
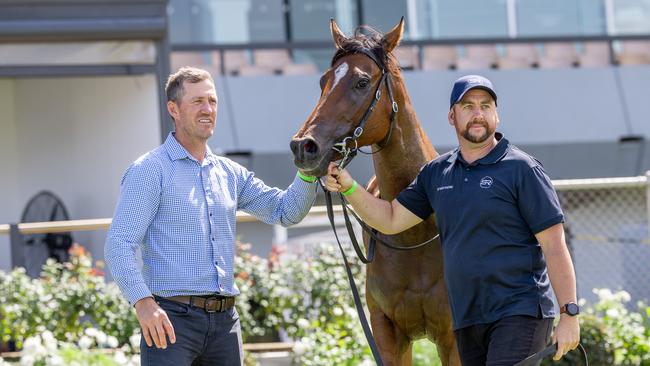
[(369, 39)]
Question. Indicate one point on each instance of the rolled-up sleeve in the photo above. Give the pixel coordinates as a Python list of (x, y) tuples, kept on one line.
[(137, 206)]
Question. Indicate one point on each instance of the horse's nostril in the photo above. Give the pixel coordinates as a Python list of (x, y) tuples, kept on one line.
[(310, 147), (293, 145)]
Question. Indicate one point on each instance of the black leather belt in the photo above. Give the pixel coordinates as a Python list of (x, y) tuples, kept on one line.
[(211, 304)]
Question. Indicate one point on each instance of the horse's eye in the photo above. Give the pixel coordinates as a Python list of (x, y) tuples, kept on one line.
[(363, 83)]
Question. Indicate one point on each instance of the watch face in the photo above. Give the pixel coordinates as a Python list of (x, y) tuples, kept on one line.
[(572, 309)]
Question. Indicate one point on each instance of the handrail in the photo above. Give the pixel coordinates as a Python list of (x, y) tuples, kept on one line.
[(248, 347), (188, 47), (103, 224)]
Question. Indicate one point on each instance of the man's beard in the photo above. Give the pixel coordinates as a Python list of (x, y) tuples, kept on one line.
[(477, 139)]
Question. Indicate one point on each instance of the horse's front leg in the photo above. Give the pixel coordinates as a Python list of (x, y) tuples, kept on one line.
[(394, 346), (448, 350)]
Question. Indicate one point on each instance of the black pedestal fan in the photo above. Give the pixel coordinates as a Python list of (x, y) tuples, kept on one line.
[(45, 206)]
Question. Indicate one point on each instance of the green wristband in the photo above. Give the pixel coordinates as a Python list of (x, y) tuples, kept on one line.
[(306, 178), (351, 189)]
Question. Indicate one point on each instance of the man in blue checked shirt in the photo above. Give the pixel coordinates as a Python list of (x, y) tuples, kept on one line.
[(178, 203)]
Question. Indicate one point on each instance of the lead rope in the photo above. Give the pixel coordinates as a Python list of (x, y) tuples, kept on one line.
[(353, 286), (547, 352)]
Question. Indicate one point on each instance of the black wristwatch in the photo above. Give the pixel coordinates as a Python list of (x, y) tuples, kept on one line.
[(571, 309)]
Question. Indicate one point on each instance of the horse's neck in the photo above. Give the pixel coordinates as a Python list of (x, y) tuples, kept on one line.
[(408, 149)]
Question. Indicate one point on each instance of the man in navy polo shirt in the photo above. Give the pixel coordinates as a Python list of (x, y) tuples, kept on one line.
[(502, 236)]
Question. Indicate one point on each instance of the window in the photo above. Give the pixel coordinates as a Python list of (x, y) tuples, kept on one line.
[(560, 17), (226, 21), (631, 16)]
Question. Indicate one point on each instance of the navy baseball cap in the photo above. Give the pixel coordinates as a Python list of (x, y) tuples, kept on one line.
[(467, 83)]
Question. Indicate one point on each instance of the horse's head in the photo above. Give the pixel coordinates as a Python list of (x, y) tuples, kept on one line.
[(357, 83)]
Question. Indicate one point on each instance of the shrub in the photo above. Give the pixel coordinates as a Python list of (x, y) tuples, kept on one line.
[(303, 296), (611, 334), (65, 300)]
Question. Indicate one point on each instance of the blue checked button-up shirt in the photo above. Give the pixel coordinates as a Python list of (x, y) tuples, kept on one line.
[(182, 214)]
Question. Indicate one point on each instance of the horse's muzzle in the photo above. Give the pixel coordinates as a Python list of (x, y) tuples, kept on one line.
[(305, 151)]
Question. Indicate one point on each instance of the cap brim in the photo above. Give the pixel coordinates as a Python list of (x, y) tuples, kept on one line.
[(490, 91)]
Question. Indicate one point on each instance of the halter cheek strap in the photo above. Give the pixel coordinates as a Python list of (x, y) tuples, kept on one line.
[(348, 153)]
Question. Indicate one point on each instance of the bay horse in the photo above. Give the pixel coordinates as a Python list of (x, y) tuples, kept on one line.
[(405, 291)]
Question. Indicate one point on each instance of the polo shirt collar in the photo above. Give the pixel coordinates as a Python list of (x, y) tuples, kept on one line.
[(176, 151), (494, 156)]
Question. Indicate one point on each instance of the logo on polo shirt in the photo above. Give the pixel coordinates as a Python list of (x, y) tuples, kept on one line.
[(442, 188), (486, 182)]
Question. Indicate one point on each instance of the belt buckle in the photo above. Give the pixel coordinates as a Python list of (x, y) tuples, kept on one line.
[(218, 304)]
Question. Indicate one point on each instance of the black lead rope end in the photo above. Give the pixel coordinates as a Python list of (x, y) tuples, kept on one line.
[(550, 350), (536, 357)]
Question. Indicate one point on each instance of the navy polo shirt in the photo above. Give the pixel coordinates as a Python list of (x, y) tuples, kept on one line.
[(488, 213)]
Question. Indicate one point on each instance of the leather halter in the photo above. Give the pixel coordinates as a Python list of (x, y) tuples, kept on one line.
[(348, 147)]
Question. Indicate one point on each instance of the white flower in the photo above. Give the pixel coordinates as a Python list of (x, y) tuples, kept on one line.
[(91, 332), (33, 347), (135, 360), (302, 323), (135, 340), (366, 362), (612, 313), (337, 311), (85, 342), (54, 360), (624, 296), (299, 348), (582, 302), (112, 342), (603, 293), (120, 358), (101, 338), (49, 341), (27, 360)]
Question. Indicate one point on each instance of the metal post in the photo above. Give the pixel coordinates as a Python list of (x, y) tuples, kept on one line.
[(647, 198), (511, 11), (162, 72), (279, 235), (17, 246), (360, 14), (288, 29)]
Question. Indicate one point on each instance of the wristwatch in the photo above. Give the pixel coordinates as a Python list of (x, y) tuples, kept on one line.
[(571, 309)]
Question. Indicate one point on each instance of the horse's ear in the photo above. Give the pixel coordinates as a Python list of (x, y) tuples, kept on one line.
[(337, 35), (392, 38)]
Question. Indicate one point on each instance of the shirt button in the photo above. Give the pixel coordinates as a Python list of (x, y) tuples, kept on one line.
[(465, 179), (212, 239)]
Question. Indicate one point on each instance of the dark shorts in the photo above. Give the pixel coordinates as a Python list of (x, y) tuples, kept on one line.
[(202, 338), (503, 342)]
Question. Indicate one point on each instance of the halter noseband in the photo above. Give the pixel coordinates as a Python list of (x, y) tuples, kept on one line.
[(341, 147)]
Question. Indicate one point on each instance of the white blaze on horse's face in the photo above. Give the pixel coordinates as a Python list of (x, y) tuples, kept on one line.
[(339, 73)]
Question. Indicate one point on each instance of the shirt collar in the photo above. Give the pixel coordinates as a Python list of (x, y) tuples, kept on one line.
[(176, 151), (494, 156)]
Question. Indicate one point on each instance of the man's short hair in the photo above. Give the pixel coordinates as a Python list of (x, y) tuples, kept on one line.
[(174, 87)]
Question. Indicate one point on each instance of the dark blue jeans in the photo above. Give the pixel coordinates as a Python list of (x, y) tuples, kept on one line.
[(202, 338), (503, 342)]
